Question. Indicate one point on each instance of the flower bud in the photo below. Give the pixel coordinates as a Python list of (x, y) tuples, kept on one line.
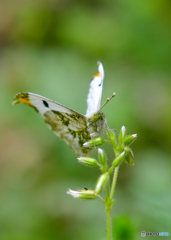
[(102, 160), (122, 134), (129, 139), (123, 130), (101, 182), (129, 151), (82, 194), (118, 160), (102, 156), (96, 141), (129, 156), (88, 161)]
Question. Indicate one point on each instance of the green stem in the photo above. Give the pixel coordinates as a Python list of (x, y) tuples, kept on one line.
[(108, 214), (108, 206), (115, 175), (107, 189)]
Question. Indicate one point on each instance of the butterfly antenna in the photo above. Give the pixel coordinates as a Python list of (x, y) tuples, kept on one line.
[(108, 99)]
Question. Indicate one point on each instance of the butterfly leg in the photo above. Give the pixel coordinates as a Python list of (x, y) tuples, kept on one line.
[(107, 128)]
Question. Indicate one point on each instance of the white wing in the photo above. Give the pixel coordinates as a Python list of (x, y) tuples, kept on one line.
[(42, 104), (95, 92)]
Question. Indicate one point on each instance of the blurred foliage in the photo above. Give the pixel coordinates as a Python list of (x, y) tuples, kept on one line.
[(50, 47), (123, 229)]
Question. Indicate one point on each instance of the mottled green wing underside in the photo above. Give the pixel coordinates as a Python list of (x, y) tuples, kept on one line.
[(64, 122), (71, 128)]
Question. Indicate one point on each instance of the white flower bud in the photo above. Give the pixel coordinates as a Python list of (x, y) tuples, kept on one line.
[(82, 194), (96, 141), (122, 134), (123, 129), (88, 161), (102, 156)]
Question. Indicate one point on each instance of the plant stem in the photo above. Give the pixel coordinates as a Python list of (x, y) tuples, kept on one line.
[(108, 214), (101, 199), (108, 207), (115, 175), (108, 189)]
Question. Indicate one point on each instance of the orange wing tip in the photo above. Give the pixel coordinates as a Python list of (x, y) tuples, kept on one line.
[(22, 98), (96, 75)]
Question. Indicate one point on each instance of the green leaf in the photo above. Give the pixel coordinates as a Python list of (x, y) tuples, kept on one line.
[(108, 202)]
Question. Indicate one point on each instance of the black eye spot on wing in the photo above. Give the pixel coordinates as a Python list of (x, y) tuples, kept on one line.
[(45, 104)]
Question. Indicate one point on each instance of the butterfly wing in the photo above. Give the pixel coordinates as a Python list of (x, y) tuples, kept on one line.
[(95, 92), (64, 122)]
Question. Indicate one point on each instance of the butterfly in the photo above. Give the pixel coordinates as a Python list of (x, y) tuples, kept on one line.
[(74, 128)]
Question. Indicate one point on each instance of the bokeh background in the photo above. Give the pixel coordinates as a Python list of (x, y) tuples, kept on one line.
[(51, 47)]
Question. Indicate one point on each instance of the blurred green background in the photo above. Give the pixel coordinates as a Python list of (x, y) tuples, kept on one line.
[(51, 47)]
